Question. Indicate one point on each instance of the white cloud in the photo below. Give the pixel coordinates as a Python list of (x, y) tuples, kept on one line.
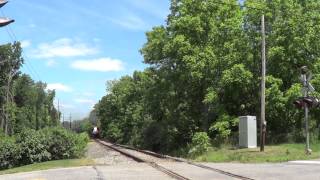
[(63, 106), (89, 102), (32, 25), (88, 94), (51, 63), (96, 40), (85, 101), (64, 47), (125, 18), (67, 106), (25, 43), (130, 21), (59, 87), (151, 7), (102, 65)]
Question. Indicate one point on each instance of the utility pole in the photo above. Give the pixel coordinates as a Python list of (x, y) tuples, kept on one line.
[(263, 124), (58, 112), (63, 120)]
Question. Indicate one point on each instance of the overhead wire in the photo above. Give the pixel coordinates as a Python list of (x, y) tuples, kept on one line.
[(28, 63)]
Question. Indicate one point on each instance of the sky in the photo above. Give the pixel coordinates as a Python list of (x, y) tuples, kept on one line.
[(76, 46)]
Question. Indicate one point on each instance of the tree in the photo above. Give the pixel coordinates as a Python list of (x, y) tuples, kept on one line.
[(11, 61), (34, 103), (204, 71), (24, 103)]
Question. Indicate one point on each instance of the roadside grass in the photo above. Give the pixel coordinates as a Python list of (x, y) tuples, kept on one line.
[(49, 165), (273, 153)]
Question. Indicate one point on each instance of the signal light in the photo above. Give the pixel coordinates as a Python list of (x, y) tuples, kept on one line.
[(2, 3), (299, 103), (310, 102), (5, 21)]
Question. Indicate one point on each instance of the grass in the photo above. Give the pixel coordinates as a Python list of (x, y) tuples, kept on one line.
[(275, 153), (49, 165)]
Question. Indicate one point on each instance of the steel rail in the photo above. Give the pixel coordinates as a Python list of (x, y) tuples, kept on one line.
[(152, 164), (186, 161)]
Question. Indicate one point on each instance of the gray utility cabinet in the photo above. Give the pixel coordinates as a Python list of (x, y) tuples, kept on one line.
[(248, 131)]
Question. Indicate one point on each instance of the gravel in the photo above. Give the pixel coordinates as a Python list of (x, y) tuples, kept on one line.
[(102, 155), (140, 155)]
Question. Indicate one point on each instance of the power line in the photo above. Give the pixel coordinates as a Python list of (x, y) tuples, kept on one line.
[(14, 38), (28, 63)]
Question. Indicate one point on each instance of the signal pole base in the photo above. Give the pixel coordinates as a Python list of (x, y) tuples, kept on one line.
[(308, 151)]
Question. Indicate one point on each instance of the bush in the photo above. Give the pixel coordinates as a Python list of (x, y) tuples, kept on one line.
[(63, 144), (222, 128), (32, 144), (200, 144), (86, 126), (81, 141), (10, 153), (60, 144), (1, 134)]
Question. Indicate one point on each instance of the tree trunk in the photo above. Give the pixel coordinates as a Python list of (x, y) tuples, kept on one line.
[(2, 119)]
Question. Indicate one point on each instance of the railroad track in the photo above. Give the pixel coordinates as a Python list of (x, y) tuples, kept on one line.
[(117, 147)]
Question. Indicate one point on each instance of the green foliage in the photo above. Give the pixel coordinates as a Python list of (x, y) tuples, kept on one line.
[(34, 103), (223, 126), (200, 144), (86, 126), (66, 163), (27, 104), (272, 154), (32, 146), (64, 144), (10, 153), (80, 144), (204, 71), (2, 135)]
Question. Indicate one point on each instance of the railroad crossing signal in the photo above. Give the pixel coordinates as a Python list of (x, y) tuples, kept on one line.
[(2, 3), (3, 20), (310, 102), (306, 102)]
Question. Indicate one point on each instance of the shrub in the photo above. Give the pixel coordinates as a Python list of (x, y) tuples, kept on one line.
[(200, 144), (62, 144), (10, 153), (1, 133), (59, 143), (86, 126), (81, 141), (32, 146), (221, 129)]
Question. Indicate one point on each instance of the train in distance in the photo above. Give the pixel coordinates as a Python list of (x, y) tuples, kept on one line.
[(95, 132)]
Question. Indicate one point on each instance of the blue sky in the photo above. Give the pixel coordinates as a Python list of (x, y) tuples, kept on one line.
[(75, 46)]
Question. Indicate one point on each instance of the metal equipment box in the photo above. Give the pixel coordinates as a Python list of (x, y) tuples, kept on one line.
[(248, 131)]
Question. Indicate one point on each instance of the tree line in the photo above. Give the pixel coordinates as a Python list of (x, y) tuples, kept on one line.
[(204, 70), (30, 129), (24, 103)]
